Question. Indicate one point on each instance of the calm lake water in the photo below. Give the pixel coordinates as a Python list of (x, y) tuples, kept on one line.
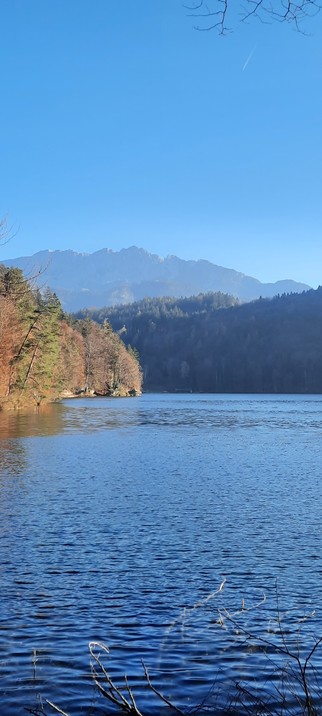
[(119, 520)]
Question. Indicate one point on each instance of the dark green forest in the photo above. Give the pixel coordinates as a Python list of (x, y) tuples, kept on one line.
[(209, 343)]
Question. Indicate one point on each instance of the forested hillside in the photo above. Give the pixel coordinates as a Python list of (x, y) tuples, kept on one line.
[(44, 354), (157, 308), (209, 344)]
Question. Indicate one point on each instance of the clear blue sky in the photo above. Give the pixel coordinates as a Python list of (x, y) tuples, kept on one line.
[(121, 124)]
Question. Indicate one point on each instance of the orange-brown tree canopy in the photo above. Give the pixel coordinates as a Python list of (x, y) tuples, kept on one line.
[(43, 355)]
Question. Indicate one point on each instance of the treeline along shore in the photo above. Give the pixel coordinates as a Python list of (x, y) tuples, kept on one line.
[(45, 354), (205, 343), (211, 343)]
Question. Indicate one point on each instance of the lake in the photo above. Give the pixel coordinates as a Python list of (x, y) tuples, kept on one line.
[(119, 521)]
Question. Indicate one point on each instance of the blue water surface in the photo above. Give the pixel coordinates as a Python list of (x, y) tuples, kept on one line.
[(119, 521)]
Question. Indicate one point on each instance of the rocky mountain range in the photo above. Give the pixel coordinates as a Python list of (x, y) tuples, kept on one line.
[(106, 277)]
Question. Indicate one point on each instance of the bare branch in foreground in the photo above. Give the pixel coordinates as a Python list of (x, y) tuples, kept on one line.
[(158, 693), (215, 16), (6, 232), (112, 692)]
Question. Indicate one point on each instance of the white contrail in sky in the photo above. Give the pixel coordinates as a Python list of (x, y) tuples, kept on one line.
[(249, 58)]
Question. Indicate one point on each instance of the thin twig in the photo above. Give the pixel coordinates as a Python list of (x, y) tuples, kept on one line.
[(158, 693), (114, 692), (56, 708)]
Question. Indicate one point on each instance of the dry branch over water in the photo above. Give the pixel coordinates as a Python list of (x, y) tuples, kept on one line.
[(288, 686)]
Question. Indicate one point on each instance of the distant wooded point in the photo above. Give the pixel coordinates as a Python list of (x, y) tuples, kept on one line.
[(45, 355)]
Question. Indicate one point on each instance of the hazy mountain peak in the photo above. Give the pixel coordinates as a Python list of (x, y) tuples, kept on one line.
[(106, 277)]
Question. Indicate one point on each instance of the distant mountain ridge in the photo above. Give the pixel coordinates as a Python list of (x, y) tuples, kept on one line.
[(106, 277)]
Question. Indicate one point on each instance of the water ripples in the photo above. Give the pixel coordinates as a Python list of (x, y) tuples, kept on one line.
[(119, 517)]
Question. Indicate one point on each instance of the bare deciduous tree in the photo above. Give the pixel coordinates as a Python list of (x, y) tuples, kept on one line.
[(218, 14), (6, 231)]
